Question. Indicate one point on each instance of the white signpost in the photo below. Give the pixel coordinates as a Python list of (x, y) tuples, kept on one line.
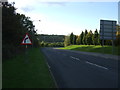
[(108, 31)]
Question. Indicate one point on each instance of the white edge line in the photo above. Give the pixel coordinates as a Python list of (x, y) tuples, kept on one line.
[(96, 65), (48, 65), (52, 75)]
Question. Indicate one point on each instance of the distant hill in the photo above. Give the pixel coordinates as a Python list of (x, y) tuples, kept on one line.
[(51, 38)]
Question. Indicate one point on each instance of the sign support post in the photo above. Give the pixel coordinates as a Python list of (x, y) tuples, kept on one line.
[(26, 41), (26, 55), (113, 47), (103, 45)]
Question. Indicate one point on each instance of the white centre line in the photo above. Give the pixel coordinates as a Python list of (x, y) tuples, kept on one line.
[(75, 58), (96, 65)]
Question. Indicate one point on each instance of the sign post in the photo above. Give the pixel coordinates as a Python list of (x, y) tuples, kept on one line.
[(26, 41), (108, 31)]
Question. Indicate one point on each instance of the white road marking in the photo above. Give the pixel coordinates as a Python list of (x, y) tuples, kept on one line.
[(75, 58), (48, 65), (96, 65)]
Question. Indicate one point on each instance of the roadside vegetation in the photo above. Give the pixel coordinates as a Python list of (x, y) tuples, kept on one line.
[(53, 44), (14, 28), (27, 71), (90, 42), (93, 48), (90, 38), (21, 69)]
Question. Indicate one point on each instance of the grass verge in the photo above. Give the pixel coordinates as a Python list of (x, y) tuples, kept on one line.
[(93, 48), (28, 71)]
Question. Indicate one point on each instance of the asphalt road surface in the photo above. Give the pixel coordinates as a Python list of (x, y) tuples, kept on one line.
[(75, 70)]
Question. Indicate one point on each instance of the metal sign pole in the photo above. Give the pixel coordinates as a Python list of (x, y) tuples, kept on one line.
[(112, 39), (103, 38), (113, 47), (103, 45), (26, 59)]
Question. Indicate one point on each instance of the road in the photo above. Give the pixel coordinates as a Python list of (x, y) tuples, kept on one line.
[(75, 70)]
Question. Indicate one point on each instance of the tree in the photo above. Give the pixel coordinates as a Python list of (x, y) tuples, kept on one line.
[(117, 41), (71, 38), (78, 40), (89, 38), (84, 37), (74, 39), (95, 38), (14, 27), (67, 41), (81, 38)]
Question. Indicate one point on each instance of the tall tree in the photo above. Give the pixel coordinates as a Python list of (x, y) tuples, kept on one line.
[(84, 37), (74, 40), (81, 38), (95, 38), (117, 41), (89, 38), (14, 27), (71, 38), (78, 40), (67, 41)]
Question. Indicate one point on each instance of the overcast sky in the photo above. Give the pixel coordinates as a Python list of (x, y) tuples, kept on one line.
[(66, 17)]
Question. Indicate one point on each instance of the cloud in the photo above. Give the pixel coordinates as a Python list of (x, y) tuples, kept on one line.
[(3, 0), (55, 3), (27, 8)]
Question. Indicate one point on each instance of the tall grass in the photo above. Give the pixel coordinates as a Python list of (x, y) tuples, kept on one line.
[(27, 71), (93, 48)]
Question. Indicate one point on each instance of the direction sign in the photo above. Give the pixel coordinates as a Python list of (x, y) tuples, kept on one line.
[(26, 40), (107, 30)]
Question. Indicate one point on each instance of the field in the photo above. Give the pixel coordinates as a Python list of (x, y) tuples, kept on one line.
[(92, 48), (27, 71)]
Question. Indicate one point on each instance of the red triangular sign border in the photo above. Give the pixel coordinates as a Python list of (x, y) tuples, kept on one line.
[(23, 41)]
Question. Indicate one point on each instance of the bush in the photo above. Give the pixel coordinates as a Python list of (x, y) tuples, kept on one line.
[(46, 44)]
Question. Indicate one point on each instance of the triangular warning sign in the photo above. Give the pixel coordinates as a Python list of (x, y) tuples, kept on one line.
[(26, 40)]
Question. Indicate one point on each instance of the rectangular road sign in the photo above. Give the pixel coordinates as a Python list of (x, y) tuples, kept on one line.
[(107, 30), (108, 38), (108, 34)]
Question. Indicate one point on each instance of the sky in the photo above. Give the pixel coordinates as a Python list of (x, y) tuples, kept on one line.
[(63, 17)]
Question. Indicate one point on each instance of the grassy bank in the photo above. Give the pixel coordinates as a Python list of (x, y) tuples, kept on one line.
[(27, 72), (92, 48)]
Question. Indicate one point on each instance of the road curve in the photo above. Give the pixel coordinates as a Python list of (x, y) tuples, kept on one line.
[(75, 70)]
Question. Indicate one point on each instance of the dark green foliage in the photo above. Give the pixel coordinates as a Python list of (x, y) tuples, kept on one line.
[(95, 38), (78, 40), (67, 41), (51, 38), (71, 38), (84, 37), (74, 40), (81, 37), (47, 44), (14, 28), (89, 38)]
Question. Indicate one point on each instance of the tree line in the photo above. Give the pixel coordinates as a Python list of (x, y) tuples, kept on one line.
[(14, 28), (90, 38)]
